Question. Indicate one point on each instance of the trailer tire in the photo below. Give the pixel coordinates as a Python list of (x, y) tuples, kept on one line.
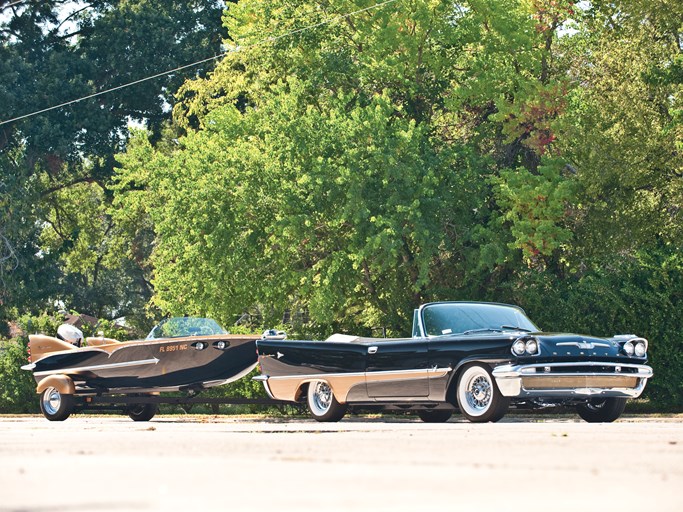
[(56, 406), (142, 412)]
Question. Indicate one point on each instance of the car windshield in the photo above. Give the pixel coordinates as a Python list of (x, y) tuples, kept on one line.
[(469, 318), (179, 327)]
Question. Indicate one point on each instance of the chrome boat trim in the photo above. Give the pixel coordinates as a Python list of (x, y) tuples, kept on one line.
[(511, 380), (243, 373), (109, 366)]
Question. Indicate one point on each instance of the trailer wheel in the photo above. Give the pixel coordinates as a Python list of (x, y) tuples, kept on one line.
[(142, 412), (56, 406), (322, 403)]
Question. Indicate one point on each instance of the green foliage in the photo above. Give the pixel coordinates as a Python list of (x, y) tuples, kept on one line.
[(535, 206), (17, 386), (58, 242)]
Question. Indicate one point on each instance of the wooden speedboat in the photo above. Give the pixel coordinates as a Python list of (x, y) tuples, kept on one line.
[(183, 353)]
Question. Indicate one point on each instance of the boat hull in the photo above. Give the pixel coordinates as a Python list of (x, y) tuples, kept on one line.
[(155, 365)]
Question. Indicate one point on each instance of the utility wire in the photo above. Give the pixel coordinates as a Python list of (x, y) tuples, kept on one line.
[(6, 6), (13, 3), (235, 49)]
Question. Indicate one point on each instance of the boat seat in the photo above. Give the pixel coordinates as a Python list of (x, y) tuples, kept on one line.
[(96, 341)]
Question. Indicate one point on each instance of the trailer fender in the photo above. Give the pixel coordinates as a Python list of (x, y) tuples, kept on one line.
[(61, 383)]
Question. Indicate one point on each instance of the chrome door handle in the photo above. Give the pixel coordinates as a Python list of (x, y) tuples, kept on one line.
[(372, 350)]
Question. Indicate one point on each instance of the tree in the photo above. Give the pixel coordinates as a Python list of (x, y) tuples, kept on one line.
[(56, 166), (334, 161)]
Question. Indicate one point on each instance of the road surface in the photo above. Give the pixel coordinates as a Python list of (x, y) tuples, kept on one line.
[(205, 463)]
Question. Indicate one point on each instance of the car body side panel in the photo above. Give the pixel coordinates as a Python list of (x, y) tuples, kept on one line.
[(452, 352), (398, 368), (292, 364)]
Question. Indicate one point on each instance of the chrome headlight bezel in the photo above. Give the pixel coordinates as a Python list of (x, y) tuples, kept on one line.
[(519, 347), (525, 346), (532, 347), (635, 347), (629, 348), (641, 349)]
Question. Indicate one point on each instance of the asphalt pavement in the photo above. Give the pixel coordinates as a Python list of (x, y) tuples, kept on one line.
[(206, 463)]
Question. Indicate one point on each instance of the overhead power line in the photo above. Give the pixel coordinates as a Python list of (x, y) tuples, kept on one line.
[(13, 3), (197, 63)]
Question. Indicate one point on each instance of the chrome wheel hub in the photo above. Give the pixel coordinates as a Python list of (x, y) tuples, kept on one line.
[(323, 396), (479, 394), (52, 400)]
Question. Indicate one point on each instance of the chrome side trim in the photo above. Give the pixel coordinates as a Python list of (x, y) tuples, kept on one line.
[(431, 371), (316, 376), (110, 366), (29, 367), (510, 379)]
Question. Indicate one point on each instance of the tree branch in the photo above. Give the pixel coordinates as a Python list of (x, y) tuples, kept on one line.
[(62, 186)]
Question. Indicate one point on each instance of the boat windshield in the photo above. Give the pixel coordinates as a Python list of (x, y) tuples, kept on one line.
[(180, 327), (441, 319)]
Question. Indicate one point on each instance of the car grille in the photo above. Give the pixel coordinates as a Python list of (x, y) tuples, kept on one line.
[(548, 381), (609, 370)]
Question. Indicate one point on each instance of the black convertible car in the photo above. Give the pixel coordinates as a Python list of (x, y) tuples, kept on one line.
[(476, 357)]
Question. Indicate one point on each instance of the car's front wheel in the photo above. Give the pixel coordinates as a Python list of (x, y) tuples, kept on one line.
[(56, 406), (322, 403), (478, 396), (602, 410)]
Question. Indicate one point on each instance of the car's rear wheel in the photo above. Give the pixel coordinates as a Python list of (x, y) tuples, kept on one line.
[(56, 406), (479, 398), (322, 403), (142, 412), (438, 416), (602, 410)]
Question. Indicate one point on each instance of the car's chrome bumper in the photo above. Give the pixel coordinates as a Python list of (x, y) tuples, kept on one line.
[(571, 380)]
